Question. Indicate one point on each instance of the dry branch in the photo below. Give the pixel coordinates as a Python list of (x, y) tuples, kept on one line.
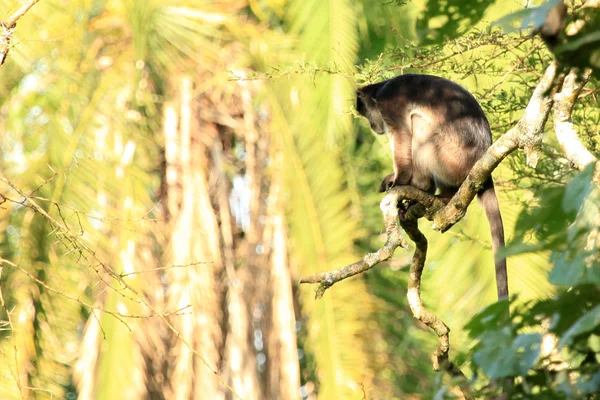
[(12, 20), (389, 207), (8, 26), (409, 223), (77, 245)]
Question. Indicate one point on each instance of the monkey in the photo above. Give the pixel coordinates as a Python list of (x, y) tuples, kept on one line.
[(437, 132)]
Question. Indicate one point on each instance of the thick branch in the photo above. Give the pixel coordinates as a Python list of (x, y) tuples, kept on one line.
[(527, 134), (566, 134)]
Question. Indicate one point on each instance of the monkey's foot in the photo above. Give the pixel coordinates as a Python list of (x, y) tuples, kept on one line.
[(387, 183)]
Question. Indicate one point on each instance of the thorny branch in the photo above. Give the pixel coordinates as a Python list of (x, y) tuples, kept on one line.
[(8, 27), (88, 254)]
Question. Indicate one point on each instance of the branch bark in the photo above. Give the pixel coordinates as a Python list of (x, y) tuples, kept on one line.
[(440, 357), (12, 20), (566, 134), (8, 27), (527, 134), (395, 239)]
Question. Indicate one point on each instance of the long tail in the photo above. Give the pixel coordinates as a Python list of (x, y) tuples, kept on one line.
[(488, 199)]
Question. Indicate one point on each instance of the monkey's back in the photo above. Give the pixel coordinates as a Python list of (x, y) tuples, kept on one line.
[(450, 131), (400, 96)]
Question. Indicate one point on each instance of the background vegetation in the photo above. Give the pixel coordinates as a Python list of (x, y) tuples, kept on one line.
[(171, 168)]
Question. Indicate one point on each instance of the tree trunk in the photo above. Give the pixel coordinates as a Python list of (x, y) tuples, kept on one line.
[(195, 254)]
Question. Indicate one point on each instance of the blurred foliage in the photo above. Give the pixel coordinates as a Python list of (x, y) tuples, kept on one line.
[(579, 49), (562, 362), (445, 20), (81, 116)]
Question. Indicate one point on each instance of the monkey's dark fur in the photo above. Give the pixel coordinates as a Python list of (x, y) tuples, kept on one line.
[(437, 132)]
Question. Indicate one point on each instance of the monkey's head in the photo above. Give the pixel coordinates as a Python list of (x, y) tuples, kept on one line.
[(367, 107)]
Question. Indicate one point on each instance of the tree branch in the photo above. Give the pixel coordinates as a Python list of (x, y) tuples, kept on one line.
[(527, 135), (389, 207), (12, 20), (440, 357), (565, 131), (8, 27)]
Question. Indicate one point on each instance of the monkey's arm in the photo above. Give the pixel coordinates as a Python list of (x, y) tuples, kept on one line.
[(400, 143)]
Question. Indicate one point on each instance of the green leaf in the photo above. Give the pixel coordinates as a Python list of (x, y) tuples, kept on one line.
[(518, 247), (588, 322), (547, 219), (574, 269), (530, 18), (589, 384), (507, 23), (528, 348), (444, 20), (578, 190), (496, 356), (563, 310), (494, 316), (589, 39)]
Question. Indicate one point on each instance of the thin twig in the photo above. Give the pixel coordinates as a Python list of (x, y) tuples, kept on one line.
[(83, 248), (7, 28), (164, 268), (12, 20), (117, 315), (15, 374)]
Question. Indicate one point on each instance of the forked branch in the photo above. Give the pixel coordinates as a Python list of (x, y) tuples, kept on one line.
[(409, 223), (395, 239)]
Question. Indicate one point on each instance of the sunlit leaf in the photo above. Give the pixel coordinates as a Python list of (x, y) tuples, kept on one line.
[(528, 18)]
